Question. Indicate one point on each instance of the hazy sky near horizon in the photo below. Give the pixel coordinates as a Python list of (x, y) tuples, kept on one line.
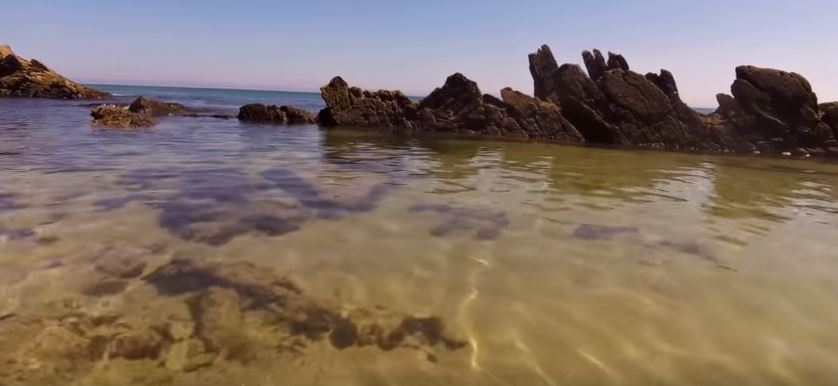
[(415, 45)]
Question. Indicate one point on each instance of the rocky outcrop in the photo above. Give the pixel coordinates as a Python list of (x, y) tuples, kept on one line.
[(770, 110), (351, 106), (140, 113), (20, 77), (777, 112), (282, 115), (457, 107), (614, 105), (119, 117)]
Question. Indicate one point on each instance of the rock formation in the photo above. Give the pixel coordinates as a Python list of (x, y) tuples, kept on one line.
[(140, 113), (283, 115), (119, 117), (457, 107), (770, 111), (20, 77), (777, 111)]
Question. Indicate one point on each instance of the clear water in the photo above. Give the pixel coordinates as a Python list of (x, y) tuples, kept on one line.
[(553, 265)]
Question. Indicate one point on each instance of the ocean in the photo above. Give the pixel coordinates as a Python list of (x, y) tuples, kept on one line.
[(217, 252)]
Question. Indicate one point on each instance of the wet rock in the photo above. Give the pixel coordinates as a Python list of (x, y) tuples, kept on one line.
[(593, 232), (226, 293), (344, 333), (20, 77), (281, 115), (487, 224), (154, 108), (119, 117), (189, 355), (139, 344), (122, 268), (105, 287), (220, 324)]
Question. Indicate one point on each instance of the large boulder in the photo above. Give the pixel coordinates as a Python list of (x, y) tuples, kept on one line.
[(784, 106), (20, 77), (282, 115)]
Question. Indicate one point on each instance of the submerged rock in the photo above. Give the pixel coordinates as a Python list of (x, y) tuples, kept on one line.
[(20, 77), (281, 115), (230, 296)]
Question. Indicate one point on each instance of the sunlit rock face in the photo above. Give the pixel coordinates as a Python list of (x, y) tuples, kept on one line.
[(21, 77)]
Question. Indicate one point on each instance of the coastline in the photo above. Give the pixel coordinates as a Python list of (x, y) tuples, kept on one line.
[(609, 105)]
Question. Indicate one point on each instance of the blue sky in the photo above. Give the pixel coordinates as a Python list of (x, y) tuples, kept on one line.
[(415, 45)]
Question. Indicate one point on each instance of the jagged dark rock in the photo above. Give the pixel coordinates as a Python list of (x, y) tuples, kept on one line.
[(351, 106), (282, 115), (617, 62), (20, 77), (595, 63), (457, 107), (542, 68), (770, 111)]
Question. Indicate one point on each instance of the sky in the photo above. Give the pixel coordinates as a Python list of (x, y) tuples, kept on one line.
[(414, 45)]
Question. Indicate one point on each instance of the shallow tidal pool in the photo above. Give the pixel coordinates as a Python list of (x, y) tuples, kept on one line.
[(213, 252)]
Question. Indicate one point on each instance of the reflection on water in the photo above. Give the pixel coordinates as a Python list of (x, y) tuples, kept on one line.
[(214, 252)]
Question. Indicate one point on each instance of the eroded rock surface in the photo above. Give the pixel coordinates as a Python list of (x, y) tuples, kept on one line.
[(20, 77)]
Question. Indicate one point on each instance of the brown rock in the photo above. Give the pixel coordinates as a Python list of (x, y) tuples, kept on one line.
[(119, 117), (140, 344), (347, 106), (20, 77)]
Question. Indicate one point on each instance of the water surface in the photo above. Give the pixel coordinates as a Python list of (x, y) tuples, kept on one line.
[(552, 265)]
